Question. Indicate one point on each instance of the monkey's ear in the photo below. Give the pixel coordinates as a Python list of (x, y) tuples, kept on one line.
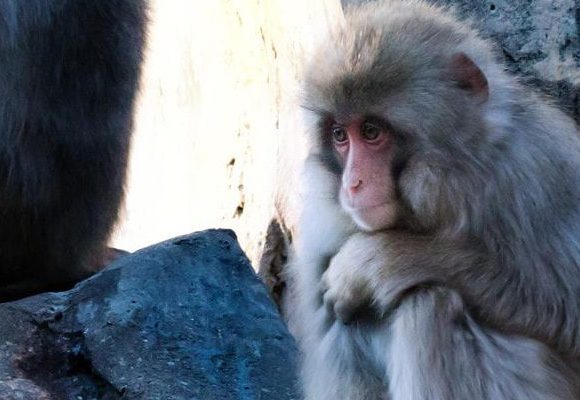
[(468, 76)]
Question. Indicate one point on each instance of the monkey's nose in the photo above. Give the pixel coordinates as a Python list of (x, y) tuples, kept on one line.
[(355, 185)]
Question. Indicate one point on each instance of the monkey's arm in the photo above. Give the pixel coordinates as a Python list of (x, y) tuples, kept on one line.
[(380, 268), (438, 351)]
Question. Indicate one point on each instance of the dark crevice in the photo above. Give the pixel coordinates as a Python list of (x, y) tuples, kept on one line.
[(239, 210), (274, 261)]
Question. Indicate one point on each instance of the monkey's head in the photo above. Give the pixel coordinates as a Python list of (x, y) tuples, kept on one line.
[(395, 93)]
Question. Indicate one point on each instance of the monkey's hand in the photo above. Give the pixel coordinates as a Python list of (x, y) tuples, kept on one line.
[(356, 282)]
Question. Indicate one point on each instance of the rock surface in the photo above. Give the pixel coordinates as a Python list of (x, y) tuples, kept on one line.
[(217, 102), (184, 319)]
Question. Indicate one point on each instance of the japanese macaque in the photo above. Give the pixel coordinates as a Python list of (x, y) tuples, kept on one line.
[(69, 72), (438, 254)]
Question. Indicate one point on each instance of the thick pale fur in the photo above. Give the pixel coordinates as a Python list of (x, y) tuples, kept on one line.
[(429, 348), (477, 293)]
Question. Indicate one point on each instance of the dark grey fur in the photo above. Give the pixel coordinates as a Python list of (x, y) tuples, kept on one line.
[(478, 290), (69, 71)]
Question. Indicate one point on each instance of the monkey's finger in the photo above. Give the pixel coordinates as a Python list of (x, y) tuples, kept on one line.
[(328, 300), (323, 286), (345, 311)]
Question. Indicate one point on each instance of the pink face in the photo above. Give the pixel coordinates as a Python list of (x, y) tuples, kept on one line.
[(367, 192)]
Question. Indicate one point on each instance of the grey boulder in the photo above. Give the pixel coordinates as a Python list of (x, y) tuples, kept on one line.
[(184, 319)]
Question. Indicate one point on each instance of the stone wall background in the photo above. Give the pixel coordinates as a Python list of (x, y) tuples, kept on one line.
[(217, 101), (218, 131), (540, 41)]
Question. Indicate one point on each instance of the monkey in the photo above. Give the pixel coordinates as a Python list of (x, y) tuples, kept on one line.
[(69, 74), (438, 251)]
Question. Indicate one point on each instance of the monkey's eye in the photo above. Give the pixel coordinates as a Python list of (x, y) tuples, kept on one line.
[(370, 131), (339, 134)]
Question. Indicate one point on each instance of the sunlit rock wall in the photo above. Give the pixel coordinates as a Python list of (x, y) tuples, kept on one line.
[(217, 110)]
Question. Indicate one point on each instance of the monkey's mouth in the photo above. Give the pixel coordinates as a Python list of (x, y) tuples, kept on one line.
[(373, 217)]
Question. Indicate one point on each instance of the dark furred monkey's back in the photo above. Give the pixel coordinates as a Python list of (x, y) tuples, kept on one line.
[(69, 72)]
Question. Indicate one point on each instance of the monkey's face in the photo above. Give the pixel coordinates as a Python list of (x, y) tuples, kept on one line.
[(397, 112), (364, 148)]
